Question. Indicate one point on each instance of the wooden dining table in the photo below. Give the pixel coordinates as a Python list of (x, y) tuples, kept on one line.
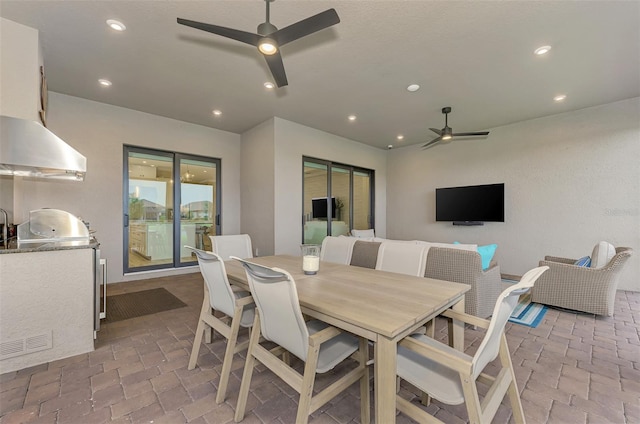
[(383, 307)]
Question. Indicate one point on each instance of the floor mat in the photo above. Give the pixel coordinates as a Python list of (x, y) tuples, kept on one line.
[(137, 304), (527, 312)]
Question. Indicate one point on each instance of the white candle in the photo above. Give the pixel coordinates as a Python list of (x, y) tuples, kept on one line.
[(310, 264)]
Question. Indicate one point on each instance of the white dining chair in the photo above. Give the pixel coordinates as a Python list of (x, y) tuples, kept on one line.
[(236, 305), (450, 376), (403, 258), (320, 346), (232, 245), (370, 233), (337, 249)]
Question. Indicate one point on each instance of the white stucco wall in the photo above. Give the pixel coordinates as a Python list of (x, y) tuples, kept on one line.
[(257, 181), (292, 142), (99, 131), (571, 180), (20, 59)]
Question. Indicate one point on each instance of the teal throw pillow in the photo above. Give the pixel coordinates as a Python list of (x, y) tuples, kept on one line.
[(486, 253), (583, 261)]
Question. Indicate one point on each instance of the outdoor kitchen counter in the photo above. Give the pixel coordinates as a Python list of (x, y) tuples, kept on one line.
[(48, 246), (46, 304)]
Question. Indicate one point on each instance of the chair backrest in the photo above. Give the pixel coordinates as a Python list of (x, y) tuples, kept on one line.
[(363, 233), (275, 295), (215, 277), (403, 258), (232, 245), (506, 303), (337, 249)]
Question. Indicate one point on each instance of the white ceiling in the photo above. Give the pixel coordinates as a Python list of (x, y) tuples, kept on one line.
[(474, 56)]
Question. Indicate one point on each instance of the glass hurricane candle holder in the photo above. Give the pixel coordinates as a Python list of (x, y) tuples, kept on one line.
[(310, 258)]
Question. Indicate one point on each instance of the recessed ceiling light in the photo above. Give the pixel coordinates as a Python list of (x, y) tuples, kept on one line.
[(104, 82), (216, 112), (559, 97), (268, 85), (116, 25), (413, 87), (542, 50), (352, 117), (390, 146), (400, 137)]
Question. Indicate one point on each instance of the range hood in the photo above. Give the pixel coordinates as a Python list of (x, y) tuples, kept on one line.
[(29, 149)]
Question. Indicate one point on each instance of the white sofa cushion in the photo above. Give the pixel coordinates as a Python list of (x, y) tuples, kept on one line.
[(603, 252)]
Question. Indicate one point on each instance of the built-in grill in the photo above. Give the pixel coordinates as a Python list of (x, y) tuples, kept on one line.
[(53, 226)]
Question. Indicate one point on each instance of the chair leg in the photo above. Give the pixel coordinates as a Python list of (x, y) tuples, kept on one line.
[(306, 391), (365, 402), (471, 399), (228, 355), (197, 341), (512, 391), (248, 371)]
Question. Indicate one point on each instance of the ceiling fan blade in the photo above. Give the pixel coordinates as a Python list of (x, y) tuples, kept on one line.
[(432, 143), (235, 34), (276, 67), (439, 132), (305, 27), (470, 133)]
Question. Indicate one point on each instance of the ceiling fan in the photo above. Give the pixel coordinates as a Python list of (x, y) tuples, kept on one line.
[(446, 134), (269, 39)]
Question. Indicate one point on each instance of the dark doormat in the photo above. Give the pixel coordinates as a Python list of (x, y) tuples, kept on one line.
[(137, 304)]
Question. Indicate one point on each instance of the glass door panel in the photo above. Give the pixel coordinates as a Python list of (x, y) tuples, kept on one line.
[(362, 206), (340, 191), (315, 202), (198, 205), (150, 209)]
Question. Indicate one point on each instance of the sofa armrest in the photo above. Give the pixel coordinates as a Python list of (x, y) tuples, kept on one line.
[(560, 260), (465, 266)]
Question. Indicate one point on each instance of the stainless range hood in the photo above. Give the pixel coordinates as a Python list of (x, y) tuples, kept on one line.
[(29, 149)]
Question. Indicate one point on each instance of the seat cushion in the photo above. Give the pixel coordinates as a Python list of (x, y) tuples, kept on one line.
[(429, 376), (603, 252), (334, 350), (249, 311)]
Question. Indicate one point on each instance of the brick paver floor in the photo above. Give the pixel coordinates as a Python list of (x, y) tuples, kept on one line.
[(573, 368)]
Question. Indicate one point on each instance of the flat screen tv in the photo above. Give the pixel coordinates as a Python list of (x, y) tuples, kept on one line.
[(470, 205), (319, 207)]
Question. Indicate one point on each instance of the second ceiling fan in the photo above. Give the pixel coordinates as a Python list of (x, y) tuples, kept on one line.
[(446, 134), (269, 38)]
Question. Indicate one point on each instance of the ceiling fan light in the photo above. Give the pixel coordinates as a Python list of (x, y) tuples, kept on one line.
[(268, 46), (446, 133)]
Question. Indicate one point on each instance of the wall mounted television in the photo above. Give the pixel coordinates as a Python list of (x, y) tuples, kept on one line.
[(319, 207), (470, 205)]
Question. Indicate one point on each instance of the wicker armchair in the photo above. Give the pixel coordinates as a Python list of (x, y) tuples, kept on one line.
[(585, 289), (465, 266)]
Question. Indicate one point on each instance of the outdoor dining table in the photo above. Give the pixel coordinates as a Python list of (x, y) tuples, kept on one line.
[(384, 307)]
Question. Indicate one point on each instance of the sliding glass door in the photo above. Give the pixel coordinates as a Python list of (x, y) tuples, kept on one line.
[(336, 199), (160, 215)]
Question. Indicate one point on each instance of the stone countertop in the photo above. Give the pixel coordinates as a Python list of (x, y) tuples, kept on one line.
[(49, 246)]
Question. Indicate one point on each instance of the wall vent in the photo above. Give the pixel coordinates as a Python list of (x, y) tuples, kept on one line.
[(18, 347)]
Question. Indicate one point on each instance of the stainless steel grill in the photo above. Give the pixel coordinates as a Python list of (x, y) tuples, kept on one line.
[(53, 226)]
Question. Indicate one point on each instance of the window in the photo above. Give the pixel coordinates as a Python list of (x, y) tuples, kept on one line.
[(336, 199), (156, 226)]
